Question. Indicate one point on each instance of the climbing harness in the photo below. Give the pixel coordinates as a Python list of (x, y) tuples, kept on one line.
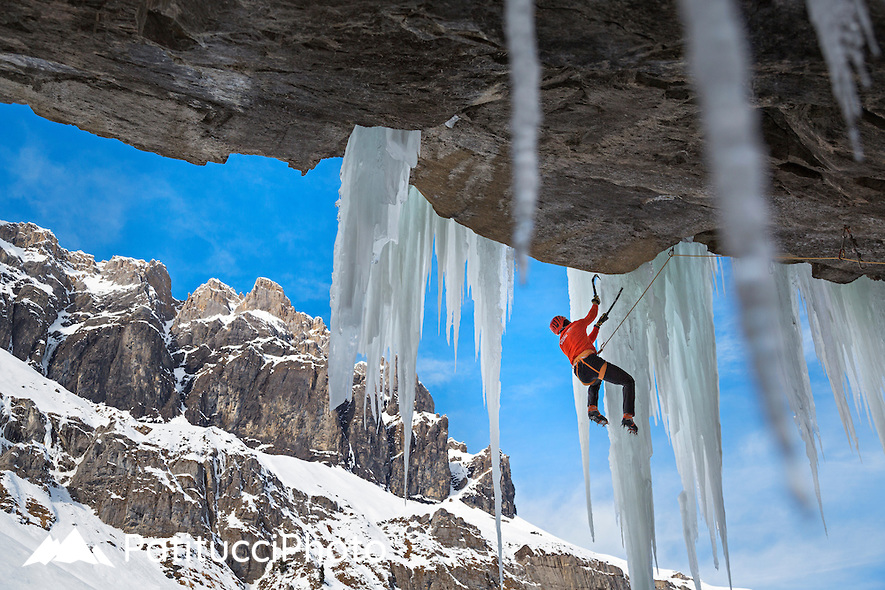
[(600, 372)]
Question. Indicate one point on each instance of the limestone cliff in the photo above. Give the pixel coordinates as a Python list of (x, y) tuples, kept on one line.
[(251, 365)]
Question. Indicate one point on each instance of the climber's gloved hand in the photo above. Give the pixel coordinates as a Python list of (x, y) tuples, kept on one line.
[(595, 300), (602, 319)]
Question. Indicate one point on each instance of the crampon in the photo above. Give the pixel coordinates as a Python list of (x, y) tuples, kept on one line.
[(627, 423), (593, 414)]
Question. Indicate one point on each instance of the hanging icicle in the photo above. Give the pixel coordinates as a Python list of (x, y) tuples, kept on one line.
[(717, 54), (525, 81), (798, 388), (847, 325), (843, 29), (374, 185)]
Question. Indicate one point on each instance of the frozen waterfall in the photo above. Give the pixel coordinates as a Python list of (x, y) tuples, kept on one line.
[(386, 236), (668, 345)]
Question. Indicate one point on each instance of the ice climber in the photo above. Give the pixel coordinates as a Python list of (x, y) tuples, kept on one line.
[(590, 368)]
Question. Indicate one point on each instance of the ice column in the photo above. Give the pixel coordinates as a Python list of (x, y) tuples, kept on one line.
[(717, 54), (843, 28), (847, 324), (525, 80), (490, 281), (682, 345), (668, 345), (629, 457)]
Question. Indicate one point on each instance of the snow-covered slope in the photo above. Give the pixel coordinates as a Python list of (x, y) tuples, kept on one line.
[(251, 364), (402, 540)]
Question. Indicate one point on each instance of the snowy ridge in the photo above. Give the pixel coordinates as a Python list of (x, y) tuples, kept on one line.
[(360, 511), (20, 540)]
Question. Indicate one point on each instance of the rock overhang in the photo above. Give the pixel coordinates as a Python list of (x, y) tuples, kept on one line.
[(621, 150)]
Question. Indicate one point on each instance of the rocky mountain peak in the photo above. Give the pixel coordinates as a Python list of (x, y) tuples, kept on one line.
[(251, 365), (267, 296), (210, 299), (32, 237), (151, 278)]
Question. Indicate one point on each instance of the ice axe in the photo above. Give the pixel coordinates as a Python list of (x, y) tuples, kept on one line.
[(618, 296), (596, 295)]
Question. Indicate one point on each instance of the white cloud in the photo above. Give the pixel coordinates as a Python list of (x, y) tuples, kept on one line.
[(434, 372)]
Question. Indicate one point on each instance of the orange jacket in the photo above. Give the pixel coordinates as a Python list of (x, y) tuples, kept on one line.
[(574, 339)]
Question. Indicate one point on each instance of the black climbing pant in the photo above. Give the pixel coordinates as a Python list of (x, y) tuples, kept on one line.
[(593, 370)]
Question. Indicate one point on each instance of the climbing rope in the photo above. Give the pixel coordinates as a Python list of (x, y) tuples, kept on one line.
[(846, 235), (796, 258), (669, 258)]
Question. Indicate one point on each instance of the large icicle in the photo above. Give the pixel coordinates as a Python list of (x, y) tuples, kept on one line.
[(629, 457), (843, 29), (717, 54), (847, 324), (374, 184), (490, 280), (382, 262), (395, 311), (682, 344), (798, 389), (525, 80)]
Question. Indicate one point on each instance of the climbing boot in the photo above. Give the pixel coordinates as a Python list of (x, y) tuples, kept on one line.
[(627, 423), (593, 414)]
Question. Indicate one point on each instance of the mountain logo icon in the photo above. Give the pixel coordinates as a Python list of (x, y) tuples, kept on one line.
[(72, 549)]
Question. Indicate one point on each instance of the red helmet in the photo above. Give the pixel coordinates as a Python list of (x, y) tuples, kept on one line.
[(558, 323)]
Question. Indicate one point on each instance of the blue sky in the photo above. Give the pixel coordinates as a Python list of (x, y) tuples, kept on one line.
[(256, 217)]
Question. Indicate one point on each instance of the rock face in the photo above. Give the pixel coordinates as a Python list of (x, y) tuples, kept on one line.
[(472, 479), (172, 481), (251, 365), (98, 328), (621, 150)]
